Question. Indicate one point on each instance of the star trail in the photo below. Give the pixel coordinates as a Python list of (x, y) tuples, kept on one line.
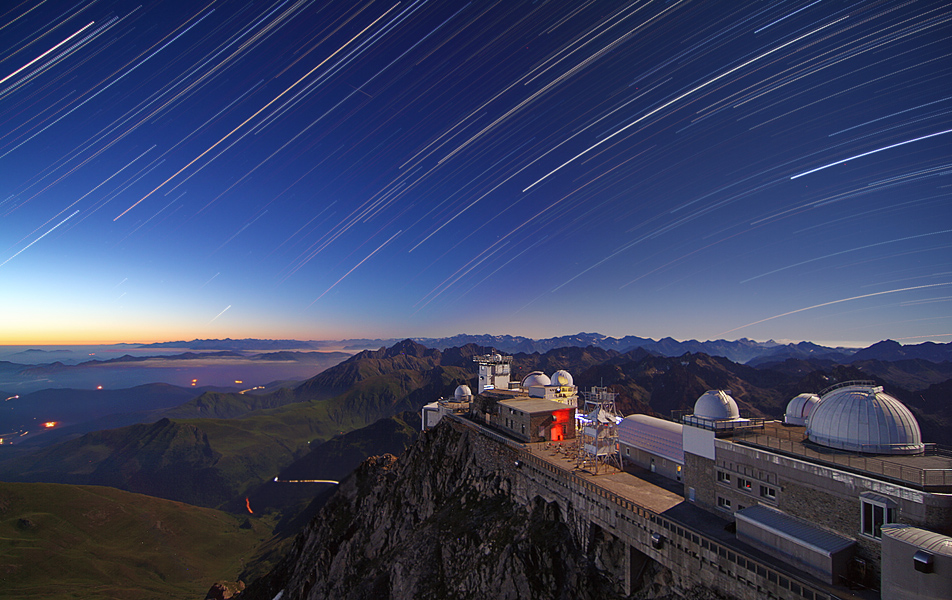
[(333, 169)]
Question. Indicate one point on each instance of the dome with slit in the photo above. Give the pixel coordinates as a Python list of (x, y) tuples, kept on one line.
[(535, 378), (716, 405), (463, 393), (561, 378), (799, 409), (863, 418)]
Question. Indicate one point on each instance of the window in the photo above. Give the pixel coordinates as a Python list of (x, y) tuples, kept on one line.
[(876, 510), (744, 484), (724, 502), (768, 492), (723, 477)]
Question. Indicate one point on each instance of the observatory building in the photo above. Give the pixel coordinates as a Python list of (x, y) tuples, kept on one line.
[(457, 405), (799, 409), (839, 489), (538, 408), (820, 495), (843, 489)]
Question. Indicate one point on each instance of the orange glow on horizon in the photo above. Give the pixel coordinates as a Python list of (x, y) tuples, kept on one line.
[(50, 424)]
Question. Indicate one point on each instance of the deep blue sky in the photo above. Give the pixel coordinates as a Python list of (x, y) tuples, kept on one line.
[(322, 170)]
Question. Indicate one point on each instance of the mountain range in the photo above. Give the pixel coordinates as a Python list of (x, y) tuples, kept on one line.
[(742, 351), (222, 450)]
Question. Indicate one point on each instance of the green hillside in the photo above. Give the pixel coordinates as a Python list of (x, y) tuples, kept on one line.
[(214, 462), (62, 541)]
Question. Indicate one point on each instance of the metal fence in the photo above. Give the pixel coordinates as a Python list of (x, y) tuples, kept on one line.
[(791, 442)]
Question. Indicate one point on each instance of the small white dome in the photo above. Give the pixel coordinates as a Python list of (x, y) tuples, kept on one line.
[(535, 378), (462, 392), (561, 377), (716, 405), (863, 418), (799, 409), (497, 358)]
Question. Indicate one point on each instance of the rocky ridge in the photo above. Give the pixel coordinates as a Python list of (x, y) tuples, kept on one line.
[(451, 519)]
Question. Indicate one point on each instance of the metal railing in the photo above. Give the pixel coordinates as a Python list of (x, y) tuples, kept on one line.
[(791, 442)]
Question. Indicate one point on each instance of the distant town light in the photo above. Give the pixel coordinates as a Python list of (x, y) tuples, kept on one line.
[(50, 424)]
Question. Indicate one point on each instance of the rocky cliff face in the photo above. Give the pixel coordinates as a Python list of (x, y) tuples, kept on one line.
[(450, 519)]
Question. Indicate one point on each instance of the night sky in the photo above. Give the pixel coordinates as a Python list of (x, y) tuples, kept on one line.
[(326, 170)]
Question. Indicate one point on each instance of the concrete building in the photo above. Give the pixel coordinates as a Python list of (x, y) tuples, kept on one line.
[(458, 404), (494, 371), (538, 408), (820, 495)]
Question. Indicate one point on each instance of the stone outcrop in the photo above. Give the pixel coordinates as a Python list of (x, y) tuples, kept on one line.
[(450, 519)]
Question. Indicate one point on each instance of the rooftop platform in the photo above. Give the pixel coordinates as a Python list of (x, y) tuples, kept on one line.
[(665, 498), (532, 406), (929, 472)]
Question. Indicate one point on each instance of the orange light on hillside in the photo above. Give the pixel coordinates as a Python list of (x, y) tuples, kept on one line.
[(98, 387), (239, 381), (50, 424)]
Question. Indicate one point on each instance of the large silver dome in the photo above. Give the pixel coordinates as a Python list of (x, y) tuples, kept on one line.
[(561, 377), (535, 378), (863, 418), (800, 408), (716, 405)]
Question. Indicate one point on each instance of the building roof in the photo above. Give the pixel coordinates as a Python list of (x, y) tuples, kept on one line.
[(534, 406), (921, 538), (930, 472), (863, 418), (793, 529)]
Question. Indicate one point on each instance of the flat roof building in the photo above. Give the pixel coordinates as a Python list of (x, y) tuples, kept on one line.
[(857, 465)]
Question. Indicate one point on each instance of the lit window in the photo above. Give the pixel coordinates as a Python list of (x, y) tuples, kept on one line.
[(744, 484)]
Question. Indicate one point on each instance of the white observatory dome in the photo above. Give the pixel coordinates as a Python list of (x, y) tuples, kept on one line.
[(497, 358), (562, 378), (716, 405), (863, 418), (462, 393), (535, 378), (799, 409)]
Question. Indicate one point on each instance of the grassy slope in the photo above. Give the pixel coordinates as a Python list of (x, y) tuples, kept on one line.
[(61, 541)]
